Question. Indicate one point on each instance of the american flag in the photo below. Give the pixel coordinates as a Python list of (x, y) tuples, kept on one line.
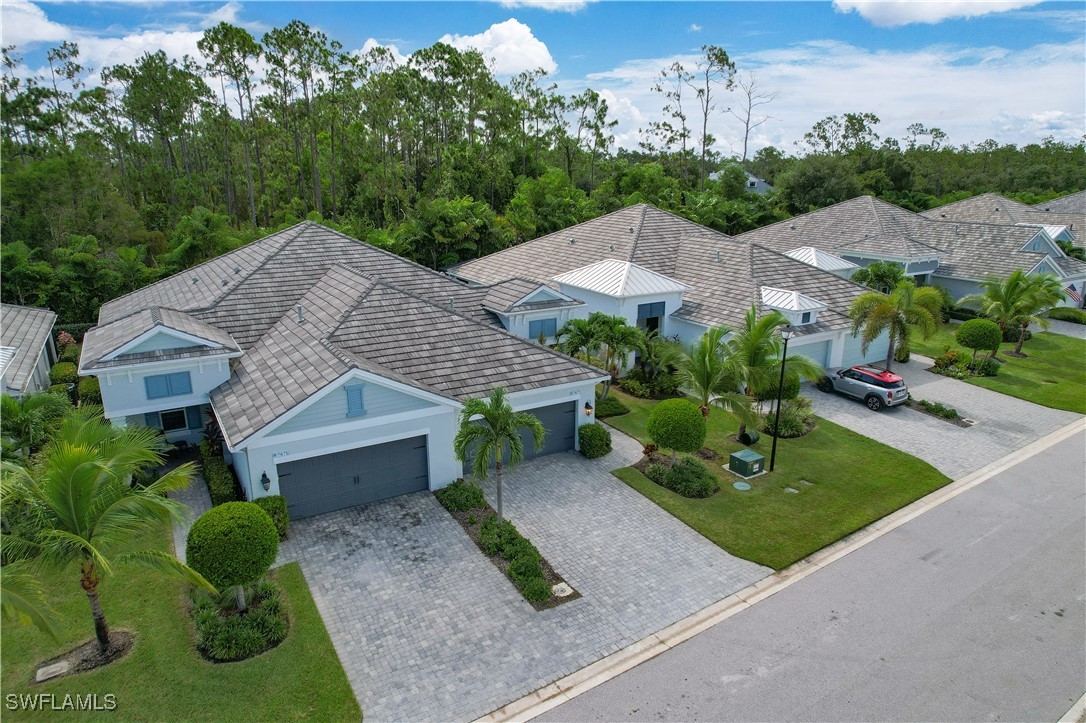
[(1073, 293)]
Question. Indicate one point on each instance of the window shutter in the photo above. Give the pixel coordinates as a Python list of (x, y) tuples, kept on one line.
[(180, 383), (356, 406), (195, 417), (150, 419), (158, 386)]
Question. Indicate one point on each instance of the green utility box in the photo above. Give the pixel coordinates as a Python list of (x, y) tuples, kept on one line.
[(746, 463)]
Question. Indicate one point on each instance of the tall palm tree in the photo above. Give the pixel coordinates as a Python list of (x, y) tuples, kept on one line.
[(1017, 300), (618, 339), (754, 356), (84, 508), (27, 422), (896, 313), (704, 372), (494, 438)]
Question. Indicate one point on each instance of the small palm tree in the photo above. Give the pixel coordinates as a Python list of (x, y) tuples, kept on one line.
[(754, 356), (896, 314), (1017, 300), (578, 336), (656, 354), (881, 276), (618, 339), (705, 374), (494, 438), (84, 508), (27, 422)]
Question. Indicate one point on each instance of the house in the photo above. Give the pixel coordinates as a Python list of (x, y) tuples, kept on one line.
[(665, 273), (27, 350), (956, 255), (1063, 219), (335, 370), (753, 183)]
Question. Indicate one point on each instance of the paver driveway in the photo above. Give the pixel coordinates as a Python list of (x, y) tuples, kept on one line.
[(1004, 423), (428, 629)]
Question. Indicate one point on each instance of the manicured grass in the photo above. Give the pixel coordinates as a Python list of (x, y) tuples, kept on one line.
[(855, 481), (1053, 373), (164, 677)]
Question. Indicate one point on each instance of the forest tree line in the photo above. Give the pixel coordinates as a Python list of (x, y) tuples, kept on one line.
[(106, 188)]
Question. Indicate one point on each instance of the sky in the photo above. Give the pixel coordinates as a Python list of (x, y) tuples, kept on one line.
[(1010, 70)]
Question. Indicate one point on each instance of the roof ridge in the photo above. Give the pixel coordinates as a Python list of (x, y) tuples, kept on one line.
[(637, 236), (766, 249)]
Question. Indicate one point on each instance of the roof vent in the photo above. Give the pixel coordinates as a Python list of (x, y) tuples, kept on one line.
[(225, 281), (237, 269), (631, 229), (718, 256), (452, 303), (572, 241), (997, 208), (610, 247), (943, 215), (793, 227), (195, 280), (957, 230), (301, 314)]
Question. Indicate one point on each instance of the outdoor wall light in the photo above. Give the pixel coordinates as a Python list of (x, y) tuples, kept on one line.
[(588, 409), (265, 482)]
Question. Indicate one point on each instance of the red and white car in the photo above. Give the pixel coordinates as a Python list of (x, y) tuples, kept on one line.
[(878, 388)]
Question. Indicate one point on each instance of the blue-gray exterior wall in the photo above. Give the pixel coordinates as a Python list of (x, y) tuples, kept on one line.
[(332, 408)]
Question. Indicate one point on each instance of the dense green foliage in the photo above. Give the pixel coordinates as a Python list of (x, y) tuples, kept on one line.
[(276, 507), (979, 335), (220, 480), (90, 391), (796, 419), (609, 406), (232, 544), (690, 477), (1066, 313), (461, 496), (227, 637), (63, 373), (678, 425), (595, 440), (525, 562)]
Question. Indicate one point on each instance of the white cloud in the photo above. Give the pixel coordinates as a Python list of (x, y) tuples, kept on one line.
[(371, 43), (694, 28), (509, 45), (892, 13), (554, 6), (25, 23)]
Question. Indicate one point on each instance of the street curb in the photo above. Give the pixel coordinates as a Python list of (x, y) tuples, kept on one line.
[(603, 670), (1077, 712)]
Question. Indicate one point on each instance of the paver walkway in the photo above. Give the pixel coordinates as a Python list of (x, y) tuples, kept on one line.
[(1004, 423)]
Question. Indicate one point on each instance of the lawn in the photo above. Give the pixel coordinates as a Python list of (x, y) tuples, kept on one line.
[(853, 480), (164, 677), (1053, 374)]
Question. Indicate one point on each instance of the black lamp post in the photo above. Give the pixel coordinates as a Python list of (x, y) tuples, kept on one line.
[(786, 333)]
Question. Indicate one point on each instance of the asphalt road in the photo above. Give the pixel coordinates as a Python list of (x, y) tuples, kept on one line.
[(974, 611)]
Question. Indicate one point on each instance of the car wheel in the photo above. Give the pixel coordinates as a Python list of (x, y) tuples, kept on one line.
[(825, 385), (873, 403)]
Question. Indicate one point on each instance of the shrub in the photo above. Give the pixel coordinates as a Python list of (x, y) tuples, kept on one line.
[(63, 373), (902, 354), (525, 562), (536, 590), (979, 335), (232, 545), (1011, 334), (64, 340), (690, 478), (797, 418), (276, 507), (229, 637), (59, 389), (948, 359), (595, 440), (636, 388), (497, 539), (677, 424), (90, 392), (665, 385), (962, 313), (987, 368), (609, 406), (71, 353), (461, 496), (221, 484), (791, 388), (657, 473), (939, 410), (1067, 313)]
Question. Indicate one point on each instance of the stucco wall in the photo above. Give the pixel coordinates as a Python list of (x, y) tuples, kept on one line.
[(124, 392)]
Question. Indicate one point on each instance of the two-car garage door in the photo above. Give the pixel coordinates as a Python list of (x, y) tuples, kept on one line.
[(354, 477)]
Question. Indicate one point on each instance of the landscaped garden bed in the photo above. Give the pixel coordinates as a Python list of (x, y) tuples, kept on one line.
[(507, 549), (939, 411)]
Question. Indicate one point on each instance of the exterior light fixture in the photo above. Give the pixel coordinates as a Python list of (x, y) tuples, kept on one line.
[(588, 409), (265, 482)]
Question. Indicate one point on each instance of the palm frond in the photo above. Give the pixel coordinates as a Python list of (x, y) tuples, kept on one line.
[(22, 599), (168, 564)]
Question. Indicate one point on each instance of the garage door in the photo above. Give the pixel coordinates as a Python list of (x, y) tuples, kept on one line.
[(819, 351), (353, 477), (558, 420)]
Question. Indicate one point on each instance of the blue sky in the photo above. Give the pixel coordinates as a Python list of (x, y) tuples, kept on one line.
[(1013, 70)]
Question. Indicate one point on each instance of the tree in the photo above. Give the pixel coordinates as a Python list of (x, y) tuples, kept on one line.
[(881, 276), (817, 181), (85, 508), (748, 113), (232, 545), (1017, 300), (896, 314), (678, 425), (979, 334), (656, 354), (704, 371), (618, 339), (579, 337), (27, 422), (494, 438), (714, 71)]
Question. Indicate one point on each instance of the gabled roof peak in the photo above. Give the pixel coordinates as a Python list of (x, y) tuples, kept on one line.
[(620, 279)]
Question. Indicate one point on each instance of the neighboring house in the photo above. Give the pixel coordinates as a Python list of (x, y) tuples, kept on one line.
[(663, 272), (335, 370), (1063, 219), (27, 350), (753, 183), (956, 255)]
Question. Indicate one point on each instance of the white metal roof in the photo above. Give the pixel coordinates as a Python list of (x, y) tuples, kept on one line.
[(821, 259), (620, 279), (6, 353), (785, 300)]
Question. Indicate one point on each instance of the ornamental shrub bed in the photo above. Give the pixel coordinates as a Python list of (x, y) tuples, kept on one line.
[(595, 440), (797, 419), (71, 353), (63, 373), (508, 550), (609, 406), (938, 410), (952, 363), (90, 391), (276, 507), (221, 483), (688, 477), (224, 635)]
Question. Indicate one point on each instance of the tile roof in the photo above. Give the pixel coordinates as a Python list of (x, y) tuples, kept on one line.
[(619, 279), (502, 297), (979, 250), (24, 331), (820, 259), (101, 341), (996, 209), (1071, 203)]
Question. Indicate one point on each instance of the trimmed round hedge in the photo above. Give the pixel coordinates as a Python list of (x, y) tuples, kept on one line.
[(595, 440), (232, 544), (63, 373), (677, 424), (979, 335)]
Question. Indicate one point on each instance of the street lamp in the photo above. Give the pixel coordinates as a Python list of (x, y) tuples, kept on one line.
[(786, 333)]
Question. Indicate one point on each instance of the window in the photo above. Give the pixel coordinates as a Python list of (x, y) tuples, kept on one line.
[(542, 327), (806, 318), (356, 400), (173, 420), (168, 385), (649, 311), (751, 184)]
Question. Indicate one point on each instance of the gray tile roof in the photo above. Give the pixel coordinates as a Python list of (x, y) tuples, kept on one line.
[(101, 341), (24, 331), (996, 209), (978, 250), (502, 297), (1071, 203)]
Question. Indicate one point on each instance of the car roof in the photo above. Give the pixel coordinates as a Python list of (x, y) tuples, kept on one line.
[(881, 374)]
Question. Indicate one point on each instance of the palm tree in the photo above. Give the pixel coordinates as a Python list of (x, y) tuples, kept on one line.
[(618, 339), (578, 336), (1017, 300), (22, 598), (494, 438), (655, 354), (704, 372), (754, 356), (27, 422), (85, 509), (896, 313), (881, 276)]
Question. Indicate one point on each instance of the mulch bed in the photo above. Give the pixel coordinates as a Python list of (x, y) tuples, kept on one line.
[(88, 657), (959, 422), (553, 578)]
